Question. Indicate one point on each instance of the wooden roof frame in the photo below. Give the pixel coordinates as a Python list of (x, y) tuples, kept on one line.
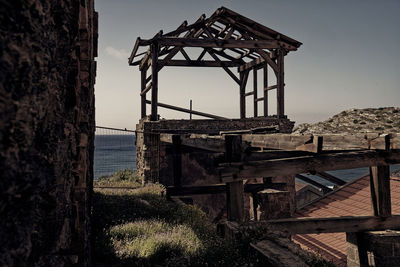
[(231, 40)]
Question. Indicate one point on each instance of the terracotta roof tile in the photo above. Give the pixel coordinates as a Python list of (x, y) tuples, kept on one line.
[(351, 199)]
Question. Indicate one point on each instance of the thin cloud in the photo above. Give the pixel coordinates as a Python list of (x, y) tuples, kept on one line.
[(120, 54)]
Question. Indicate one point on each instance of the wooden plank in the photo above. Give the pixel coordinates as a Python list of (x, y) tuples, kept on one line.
[(314, 183), (188, 111), (154, 82), (215, 189), (315, 145), (143, 97), (317, 163), (217, 43), (281, 85), (333, 224), (197, 63), (330, 178), (243, 82), (255, 92), (147, 88), (265, 72), (235, 204), (330, 141), (210, 144), (177, 160), (233, 76), (380, 190)]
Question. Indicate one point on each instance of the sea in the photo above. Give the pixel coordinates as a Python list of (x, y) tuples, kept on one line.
[(118, 152)]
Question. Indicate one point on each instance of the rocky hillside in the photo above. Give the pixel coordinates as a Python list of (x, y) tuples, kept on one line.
[(356, 121)]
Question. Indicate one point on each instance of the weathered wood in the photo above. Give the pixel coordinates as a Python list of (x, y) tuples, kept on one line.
[(188, 111), (270, 87), (249, 93), (243, 82), (252, 64), (255, 104), (314, 145), (197, 63), (185, 55), (176, 159), (268, 59), (330, 141), (210, 144), (216, 189), (233, 76), (154, 82), (314, 183), (233, 148), (333, 224), (143, 97), (265, 72), (146, 88), (281, 85), (235, 204), (216, 43), (317, 163), (380, 190), (134, 50), (330, 178)]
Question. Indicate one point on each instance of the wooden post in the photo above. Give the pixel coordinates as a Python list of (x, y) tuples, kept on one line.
[(255, 92), (380, 190), (242, 97), (177, 159), (143, 97), (234, 194), (281, 84), (265, 69), (191, 108), (154, 81)]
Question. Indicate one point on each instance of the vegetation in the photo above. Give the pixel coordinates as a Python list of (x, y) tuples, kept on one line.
[(136, 226)]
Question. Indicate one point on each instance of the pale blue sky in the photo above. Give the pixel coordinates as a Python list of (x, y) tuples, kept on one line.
[(349, 58)]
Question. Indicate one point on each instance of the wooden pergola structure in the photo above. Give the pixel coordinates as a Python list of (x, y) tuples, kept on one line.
[(231, 40)]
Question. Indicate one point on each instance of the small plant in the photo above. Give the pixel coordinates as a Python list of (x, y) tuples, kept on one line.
[(121, 178)]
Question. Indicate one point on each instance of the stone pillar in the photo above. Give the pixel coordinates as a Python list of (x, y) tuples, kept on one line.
[(378, 248)]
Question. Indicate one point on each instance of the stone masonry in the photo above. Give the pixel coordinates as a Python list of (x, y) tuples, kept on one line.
[(47, 74)]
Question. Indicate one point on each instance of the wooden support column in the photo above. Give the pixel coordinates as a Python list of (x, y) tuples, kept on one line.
[(281, 84), (265, 70), (234, 190), (243, 81), (154, 81), (177, 159), (380, 190), (143, 97), (255, 103)]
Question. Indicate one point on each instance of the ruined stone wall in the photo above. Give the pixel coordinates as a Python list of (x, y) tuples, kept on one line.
[(47, 74), (154, 159)]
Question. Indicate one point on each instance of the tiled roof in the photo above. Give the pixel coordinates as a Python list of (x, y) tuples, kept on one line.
[(353, 199)]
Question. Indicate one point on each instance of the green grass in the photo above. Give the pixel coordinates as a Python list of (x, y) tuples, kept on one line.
[(139, 227)]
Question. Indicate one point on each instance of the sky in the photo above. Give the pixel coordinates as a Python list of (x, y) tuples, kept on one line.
[(350, 58)]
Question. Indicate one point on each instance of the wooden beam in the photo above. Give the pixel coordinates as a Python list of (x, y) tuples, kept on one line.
[(265, 72), (147, 88), (270, 87), (324, 188), (197, 63), (330, 178), (235, 203), (252, 64), (143, 97), (154, 82), (185, 55), (317, 163), (243, 82), (332, 224), (380, 190), (233, 76), (215, 189), (177, 160), (255, 103), (249, 93), (268, 59), (210, 144), (281, 85), (188, 111), (217, 43)]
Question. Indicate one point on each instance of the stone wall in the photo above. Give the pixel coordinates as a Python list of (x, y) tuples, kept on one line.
[(47, 74), (154, 158)]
